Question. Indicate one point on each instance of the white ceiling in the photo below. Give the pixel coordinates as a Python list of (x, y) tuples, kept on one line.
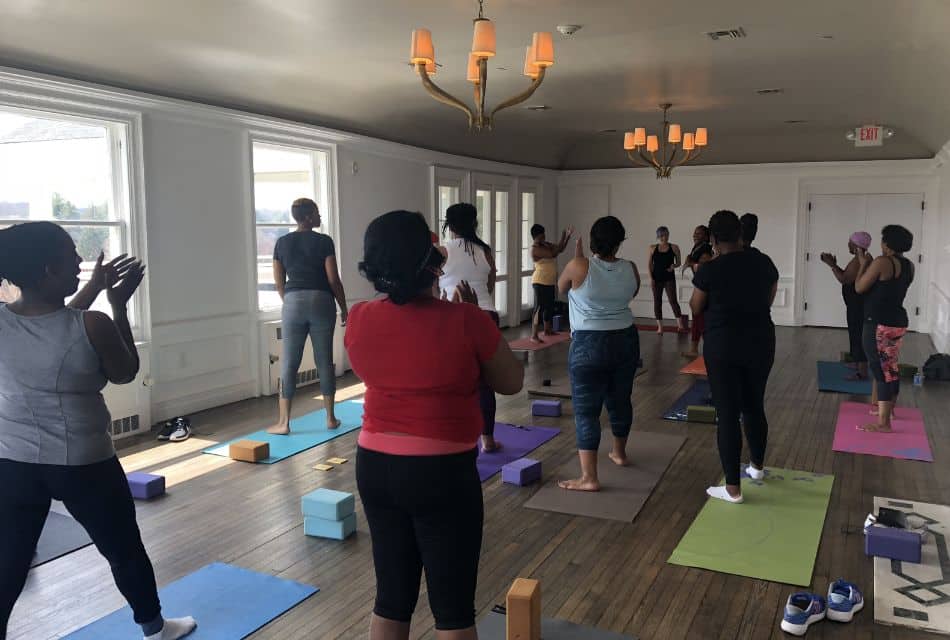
[(342, 63)]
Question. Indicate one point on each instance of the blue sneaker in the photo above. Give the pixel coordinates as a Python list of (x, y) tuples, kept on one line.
[(844, 600), (802, 611)]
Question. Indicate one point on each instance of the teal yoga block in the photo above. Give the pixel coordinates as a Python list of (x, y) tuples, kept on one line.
[(333, 529), (328, 504)]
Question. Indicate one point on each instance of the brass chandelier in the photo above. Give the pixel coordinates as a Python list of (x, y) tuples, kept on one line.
[(538, 57), (642, 149)]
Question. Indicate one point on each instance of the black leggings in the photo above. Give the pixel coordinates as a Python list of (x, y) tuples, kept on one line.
[(856, 331), (545, 295), (423, 512), (486, 396), (98, 496), (670, 287), (738, 391)]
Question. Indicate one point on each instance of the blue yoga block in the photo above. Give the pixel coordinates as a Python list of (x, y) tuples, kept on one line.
[(327, 504), (145, 485), (896, 544), (557, 323), (333, 529), (549, 408), (521, 472)]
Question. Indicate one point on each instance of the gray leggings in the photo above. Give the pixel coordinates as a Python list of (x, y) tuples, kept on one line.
[(306, 313)]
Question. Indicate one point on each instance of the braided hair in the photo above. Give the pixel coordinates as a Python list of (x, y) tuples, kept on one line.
[(462, 220)]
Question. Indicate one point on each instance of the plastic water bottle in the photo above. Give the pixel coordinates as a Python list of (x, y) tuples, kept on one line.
[(918, 379)]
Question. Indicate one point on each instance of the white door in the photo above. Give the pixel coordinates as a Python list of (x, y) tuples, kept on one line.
[(528, 204), (493, 200), (903, 209)]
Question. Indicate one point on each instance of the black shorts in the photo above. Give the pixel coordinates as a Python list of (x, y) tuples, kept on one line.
[(423, 512), (545, 295)]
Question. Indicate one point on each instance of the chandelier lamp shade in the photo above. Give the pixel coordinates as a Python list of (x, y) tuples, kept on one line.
[(671, 149), (539, 55)]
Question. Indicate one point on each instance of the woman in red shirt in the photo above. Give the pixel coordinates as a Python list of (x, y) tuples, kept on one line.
[(422, 360)]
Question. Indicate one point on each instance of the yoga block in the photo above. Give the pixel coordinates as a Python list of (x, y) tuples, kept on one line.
[(249, 451), (896, 544), (557, 323), (327, 504), (700, 413), (846, 356), (524, 610), (521, 472), (145, 485), (907, 370), (549, 408), (332, 529)]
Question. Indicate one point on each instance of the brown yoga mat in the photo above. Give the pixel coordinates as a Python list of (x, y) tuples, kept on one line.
[(623, 490), (561, 388)]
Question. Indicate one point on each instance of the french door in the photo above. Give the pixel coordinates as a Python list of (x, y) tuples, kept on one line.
[(494, 202)]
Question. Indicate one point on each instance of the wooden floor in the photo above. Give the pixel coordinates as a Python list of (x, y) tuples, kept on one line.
[(607, 574)]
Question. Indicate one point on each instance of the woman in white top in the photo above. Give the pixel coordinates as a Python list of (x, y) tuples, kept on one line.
[(469, 259)]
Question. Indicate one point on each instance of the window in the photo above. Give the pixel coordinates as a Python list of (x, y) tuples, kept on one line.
[(281, 175), (448, 195), (71, 171), (501, 251), (528, 203)]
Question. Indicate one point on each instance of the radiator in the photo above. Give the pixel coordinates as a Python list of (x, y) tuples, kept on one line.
[(273, 352)]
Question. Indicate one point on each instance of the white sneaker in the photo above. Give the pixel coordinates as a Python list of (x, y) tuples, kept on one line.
[(755, 474)]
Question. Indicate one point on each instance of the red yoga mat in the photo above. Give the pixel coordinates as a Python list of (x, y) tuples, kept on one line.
[(525, 344), (697, 367)]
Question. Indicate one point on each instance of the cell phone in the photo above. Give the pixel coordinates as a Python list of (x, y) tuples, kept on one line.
[(892, 518)]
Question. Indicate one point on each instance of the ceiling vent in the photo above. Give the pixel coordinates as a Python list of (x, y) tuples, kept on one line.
[(538, 107), (769, 92), (727, 34), (796, 122)]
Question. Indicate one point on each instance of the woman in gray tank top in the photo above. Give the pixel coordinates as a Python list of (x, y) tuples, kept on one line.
[(54, 425)]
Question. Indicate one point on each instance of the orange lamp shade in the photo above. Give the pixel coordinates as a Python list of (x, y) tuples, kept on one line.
[(689, 142), (639, 137), (422, 50), (676, 134), (652, 144), (472, 72), (530, 68), (483, 38), (628, 141), (430, 68), (543, 44), (701, 137)]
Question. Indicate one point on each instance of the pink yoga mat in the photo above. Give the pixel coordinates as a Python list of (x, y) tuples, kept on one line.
[(908, 441), (525, 344)]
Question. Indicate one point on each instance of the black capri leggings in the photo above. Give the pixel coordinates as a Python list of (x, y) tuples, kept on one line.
[(423, 512), (856, 332), (545, 295), (670, 287)]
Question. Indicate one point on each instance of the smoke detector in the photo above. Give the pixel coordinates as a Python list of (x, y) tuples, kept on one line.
[(727, 34), (568, 29)]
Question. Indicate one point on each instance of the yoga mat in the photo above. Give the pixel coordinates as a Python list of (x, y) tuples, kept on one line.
[(306, 432), (61, 535), (698, 394), (623, 490), (773, 535), (908, 441), (697, 367), (516, 442), (228, 602), (561, 388), (492, 627), (832, 376), (525, 344), (916, 595)]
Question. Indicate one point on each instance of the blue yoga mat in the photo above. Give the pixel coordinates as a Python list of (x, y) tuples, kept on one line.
[(698, 394), (832, 376), (306, 432), (228, 602)]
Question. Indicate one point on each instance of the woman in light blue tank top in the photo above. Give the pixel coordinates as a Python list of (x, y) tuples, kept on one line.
[(605, 350), (54, 425)]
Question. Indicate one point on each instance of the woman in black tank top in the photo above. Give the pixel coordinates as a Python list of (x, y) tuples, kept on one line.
[(663, 260), (884, 283)]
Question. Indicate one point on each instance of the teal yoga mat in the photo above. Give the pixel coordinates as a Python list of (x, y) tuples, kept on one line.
[(228, 602), (306, 432), (773, 535), (833, 376)]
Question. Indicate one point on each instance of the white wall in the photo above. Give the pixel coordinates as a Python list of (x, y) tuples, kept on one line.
[(776, 193)]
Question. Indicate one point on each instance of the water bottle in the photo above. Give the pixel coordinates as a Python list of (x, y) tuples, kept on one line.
[(918, 379)]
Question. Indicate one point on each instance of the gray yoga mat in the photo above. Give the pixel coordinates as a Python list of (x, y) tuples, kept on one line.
[(561, 387), (492, 627), (623, 490), (61, 535)]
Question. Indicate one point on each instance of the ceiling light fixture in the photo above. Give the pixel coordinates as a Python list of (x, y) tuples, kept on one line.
[(692, 143), (538, 57)]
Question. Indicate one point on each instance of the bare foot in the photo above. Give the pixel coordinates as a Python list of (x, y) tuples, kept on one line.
[(333, 423), (876, 428), (620, 461), (279, 429), (659, 330), (490, 446), (874, 411), (581, 484)]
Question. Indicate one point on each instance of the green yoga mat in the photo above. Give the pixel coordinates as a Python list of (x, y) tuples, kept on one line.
[(773, 535)]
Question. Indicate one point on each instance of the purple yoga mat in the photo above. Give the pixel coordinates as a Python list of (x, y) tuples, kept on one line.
[(516, 442)]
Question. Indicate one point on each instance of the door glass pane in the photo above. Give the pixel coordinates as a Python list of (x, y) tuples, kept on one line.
[(527, 221), (448, 195), (501, 298), (527, 293), (482, 204), (501, 232)]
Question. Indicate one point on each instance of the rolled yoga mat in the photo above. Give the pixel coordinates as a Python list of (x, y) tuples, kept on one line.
[(228, 602), (697, 394), (516, 442), (492, 627), (306, 432), (773, 536), (907, 441), (525, 344), (696, 368), (833, 377), (61, 535), (623, 490)]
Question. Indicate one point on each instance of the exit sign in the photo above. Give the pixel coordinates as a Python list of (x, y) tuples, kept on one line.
[(870, 136)]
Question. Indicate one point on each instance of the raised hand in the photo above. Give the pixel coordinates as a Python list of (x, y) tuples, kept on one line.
[(121, 287), (115, 269), (829, 259), (464, 293)]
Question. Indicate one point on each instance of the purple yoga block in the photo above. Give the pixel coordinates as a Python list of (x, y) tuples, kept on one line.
[(521, 472), (557, 323), (896, 544), (549, 408), (145, 485)]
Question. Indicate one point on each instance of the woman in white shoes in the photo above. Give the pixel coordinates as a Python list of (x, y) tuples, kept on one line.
[(735, 292)]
